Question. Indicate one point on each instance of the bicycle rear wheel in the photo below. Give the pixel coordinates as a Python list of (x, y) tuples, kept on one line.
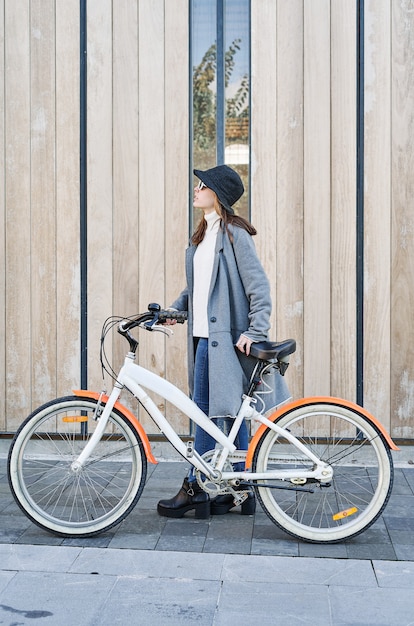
[(65, 502), (362, 473)]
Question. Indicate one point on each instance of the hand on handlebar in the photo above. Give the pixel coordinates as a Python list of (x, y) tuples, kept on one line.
[(168, 322), (169, 317)]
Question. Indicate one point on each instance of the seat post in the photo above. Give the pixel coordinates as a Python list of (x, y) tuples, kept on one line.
[(255, 378)]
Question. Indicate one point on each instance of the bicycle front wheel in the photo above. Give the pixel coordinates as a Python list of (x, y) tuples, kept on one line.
[(60, 500), (362, 473)]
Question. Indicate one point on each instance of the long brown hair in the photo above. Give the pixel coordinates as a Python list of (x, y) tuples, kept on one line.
[(226, 219)]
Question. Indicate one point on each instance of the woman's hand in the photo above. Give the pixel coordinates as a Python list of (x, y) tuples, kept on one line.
[(244, 344)]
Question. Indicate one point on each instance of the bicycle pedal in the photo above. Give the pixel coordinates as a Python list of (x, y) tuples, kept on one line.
[(239, 497)]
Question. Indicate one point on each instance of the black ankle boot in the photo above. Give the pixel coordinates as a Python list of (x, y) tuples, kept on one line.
[(190, 497), (222, 504)]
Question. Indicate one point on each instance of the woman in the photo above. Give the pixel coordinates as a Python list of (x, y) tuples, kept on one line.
[(228, 302)]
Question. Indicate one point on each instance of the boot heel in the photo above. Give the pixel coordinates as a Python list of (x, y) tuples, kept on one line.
[(202, 510), (248, 507)]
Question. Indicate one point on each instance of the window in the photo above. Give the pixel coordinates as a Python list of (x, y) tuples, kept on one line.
[(220, 90)]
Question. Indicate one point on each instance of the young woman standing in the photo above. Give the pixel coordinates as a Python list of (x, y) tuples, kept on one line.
[(228, 302)]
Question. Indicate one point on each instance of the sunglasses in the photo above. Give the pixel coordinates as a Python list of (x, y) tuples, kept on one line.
[(201, 186)]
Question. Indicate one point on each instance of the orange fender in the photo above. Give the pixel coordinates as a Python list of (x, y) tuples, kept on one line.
[(314, 400), (130, 417)]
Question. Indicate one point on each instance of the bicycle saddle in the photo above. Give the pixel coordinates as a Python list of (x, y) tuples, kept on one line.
[(268, 350)]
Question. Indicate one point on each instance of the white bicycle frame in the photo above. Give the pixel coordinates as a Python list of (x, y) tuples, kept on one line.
[(136, 379)]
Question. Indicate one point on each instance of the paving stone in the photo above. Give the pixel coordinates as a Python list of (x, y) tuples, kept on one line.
[(164, 602), (278, 604), (37, 558), (298, 571), (404, 552), (371, 551), (53, 598), (332, 551), (269, 547), (382, 607), (148, 563), (396, 575)]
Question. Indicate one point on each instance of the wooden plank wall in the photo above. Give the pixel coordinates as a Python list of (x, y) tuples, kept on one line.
[(303, 144)]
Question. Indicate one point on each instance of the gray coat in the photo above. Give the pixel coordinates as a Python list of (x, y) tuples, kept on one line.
[(239, 303)]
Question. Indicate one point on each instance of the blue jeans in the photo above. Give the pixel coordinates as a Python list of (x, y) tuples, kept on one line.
[(203, 442)]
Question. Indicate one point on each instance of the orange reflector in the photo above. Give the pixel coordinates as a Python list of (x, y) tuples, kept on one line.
[(345, 513), (75, 418)]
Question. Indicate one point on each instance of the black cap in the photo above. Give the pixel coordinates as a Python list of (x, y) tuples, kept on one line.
[(225, 182)]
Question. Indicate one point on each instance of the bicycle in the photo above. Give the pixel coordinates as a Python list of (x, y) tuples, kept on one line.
[(321, 467)]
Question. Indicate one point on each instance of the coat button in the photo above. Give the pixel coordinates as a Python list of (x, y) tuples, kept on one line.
[(214, 344), (213, 319)]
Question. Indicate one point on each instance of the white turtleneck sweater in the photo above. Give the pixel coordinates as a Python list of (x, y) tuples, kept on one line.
[(203, 268)]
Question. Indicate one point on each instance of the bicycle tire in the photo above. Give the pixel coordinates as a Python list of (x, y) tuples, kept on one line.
[(59, 500), (362, 479)]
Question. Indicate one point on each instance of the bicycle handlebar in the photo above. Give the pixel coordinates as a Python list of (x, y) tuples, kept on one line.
[(154, 315)]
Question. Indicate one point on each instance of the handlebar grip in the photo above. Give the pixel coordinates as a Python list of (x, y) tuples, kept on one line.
[(179, 316)]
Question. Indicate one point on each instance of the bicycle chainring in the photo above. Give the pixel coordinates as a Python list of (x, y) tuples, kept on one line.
[(214, 488)]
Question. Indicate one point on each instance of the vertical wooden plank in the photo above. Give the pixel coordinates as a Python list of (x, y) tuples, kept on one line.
[(377, 210), (264, 136), (151, 92), (343, 198), (402, 290), (317, 173), (67, 196), (99, 160), (2, 233), (17, 200), (43, 215), (125, 166), (176, 186), (289, 181)]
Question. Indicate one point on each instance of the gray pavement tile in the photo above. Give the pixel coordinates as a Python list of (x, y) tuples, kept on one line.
[(332, 551), (404, 522), (371, 551), (298, 571), (269, 530), (36, 536), (163, 602), (130, 540), (405, 537), (278, 604), (400, 505), (37, 558), (5, 578), (382, 607), (394, 574), (143, 522), (270, 547), (181, 544), (13, 527), (147, 563), (409, 476), (185, 527), (401, 486), (376, 534), (48, 598), (100, 541), (404, 552), (230, 534)]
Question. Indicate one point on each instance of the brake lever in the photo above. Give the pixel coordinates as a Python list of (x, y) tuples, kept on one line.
[(162, 329)]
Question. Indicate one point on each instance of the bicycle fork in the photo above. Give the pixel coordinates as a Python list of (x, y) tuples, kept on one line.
[(102, 421)]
